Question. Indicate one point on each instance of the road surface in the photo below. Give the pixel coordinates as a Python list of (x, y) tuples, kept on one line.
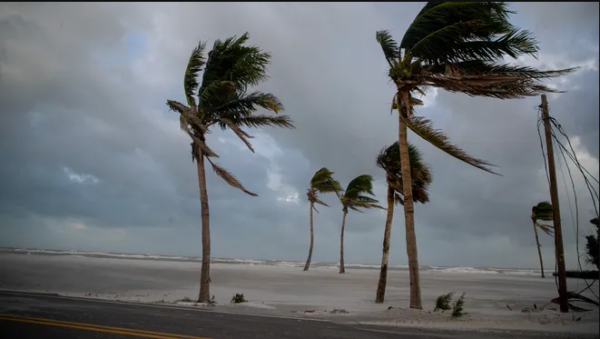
[(30, 315)]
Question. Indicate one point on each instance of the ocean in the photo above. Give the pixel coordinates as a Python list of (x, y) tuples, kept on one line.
[(256, 262)]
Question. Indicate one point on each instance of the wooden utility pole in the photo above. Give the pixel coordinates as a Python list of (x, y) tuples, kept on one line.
[(558, 239)]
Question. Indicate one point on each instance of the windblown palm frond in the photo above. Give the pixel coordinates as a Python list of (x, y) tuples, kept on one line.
[(355, 195), (420, 173), (324, 182), (423, 127), (190, 79)]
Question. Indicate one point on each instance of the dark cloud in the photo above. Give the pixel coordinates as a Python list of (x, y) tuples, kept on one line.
[(92, 159)]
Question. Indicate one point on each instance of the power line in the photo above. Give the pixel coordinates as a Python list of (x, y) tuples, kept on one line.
[(571, 154)]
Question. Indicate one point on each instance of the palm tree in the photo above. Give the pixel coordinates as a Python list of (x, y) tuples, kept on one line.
[(321, 182), (542, 211), (220, 97), (458, 47), (421, 178), (355, 198)]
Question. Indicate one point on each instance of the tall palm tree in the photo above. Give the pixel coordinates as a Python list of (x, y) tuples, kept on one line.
[(354, 198), (221, 98), (542, 211), (458, 47), (421, 178), (321, 182)]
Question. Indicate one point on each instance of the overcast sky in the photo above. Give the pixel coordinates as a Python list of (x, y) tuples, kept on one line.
[(93, 160)]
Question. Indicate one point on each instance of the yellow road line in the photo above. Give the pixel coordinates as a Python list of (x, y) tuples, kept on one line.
[(97, 328)]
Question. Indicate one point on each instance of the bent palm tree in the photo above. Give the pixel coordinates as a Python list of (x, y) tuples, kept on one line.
[(421, 178), (220, 98), (355, 198), (321, 182), (542, 211), (455, 46)]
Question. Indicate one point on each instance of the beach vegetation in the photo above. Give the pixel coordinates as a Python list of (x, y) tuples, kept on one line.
[(458, 307), (443, 302), (591, 247), (238, 298)]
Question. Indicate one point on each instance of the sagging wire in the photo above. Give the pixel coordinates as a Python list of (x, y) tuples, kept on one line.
[(575, 216), (591, 190), (593, 193), (584, 172)]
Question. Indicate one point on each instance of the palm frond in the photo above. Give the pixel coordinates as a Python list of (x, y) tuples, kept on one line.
[(323, 182), (388, 45), (258, 120), (231, 60), (190, 79), (217, 93), (388, 159), (398, 199), (488, 70), (198, 143), (189, 114), (355, 209), (356, 204), (245, 105), (321, 202), (229, 178), (437, 15), (548, 229), (423, 127), (494, 88), (354, 196), (453, 31), (239, 132), (360, 185)]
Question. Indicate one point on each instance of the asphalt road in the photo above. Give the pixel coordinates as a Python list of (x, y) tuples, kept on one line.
[(29, 315)]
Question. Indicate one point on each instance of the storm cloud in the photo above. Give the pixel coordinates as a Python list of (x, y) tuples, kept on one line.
[(93, 160)]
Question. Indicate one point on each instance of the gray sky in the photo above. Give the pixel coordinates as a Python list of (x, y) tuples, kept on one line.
[(93, 160)]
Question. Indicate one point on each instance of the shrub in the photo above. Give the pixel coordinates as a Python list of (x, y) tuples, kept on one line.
[(458, 310), (443, 302), (238, 299)]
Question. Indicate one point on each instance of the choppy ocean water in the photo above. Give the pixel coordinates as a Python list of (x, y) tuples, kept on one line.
[(256, 262)]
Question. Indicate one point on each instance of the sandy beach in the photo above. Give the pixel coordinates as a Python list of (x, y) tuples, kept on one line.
[(493, 301)]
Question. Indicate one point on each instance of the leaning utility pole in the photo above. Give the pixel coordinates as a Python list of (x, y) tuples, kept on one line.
[(558, 239)]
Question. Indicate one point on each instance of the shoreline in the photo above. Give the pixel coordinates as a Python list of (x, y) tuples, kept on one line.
[(530, 272), (290, 292)]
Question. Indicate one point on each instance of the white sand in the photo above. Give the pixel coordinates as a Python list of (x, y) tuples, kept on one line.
[(284, 291)]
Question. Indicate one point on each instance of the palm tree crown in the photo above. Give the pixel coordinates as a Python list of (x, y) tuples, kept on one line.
[(456, 46), (322, 182), (544, 212), (420, 173), (355, 196), (221, 96)]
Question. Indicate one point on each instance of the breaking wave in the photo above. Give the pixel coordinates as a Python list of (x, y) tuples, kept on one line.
[(277, 263)]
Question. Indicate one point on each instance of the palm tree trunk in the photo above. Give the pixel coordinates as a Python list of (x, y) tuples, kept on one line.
[(537, 241), (312, 238), (409, 209), (205, 271), (342, 267), (386, 247)]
